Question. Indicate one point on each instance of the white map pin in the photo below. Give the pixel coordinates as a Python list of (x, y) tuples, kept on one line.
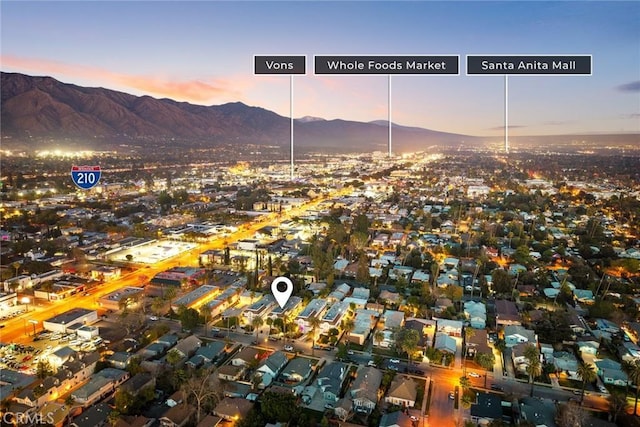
[(281, 296)]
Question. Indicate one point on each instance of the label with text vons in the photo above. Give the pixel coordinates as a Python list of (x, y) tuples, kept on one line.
[(530, 65), (279, 64), (387, 64)]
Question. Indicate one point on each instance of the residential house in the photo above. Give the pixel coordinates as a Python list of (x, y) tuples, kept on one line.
[(476, 314), (364, 390), (60, 356), (587, 345), (331, 379), (95, 416), (120, 359), (38, 393), (188, 346), (538, 412), (518, 356), (138, 383), (450, 327), (99, 385), (315, 308), (629, 352), (333, 316), (396, 419), (393, 319), (507, 313), (516, 334), (231, 372), (271, 367), (445, 343), (402, 392), (247, 356), (365, 320), (477, 342), (179, 415), (488, 407), (233, 409), (209, 353), (611, 372), (168, 340), (297, 370), (566, 363)]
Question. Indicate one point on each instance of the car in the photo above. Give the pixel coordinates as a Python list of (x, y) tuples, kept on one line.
[(86, 294), (394, 360), (577, 392), (452, 395), (371, 363), (153, 318), (288, 347), (417, 371), (328, 406), (474, 374), (496, 387), (254, 342), (414, 418), (394, 368), (215, 330), (602, 389), (350, 353)]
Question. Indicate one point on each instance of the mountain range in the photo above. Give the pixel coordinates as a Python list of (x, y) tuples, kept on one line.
[(43, 107)]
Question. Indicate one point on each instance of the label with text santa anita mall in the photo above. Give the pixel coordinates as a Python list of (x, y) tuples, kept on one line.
[(279, 64), (387, 64), (529, 65)]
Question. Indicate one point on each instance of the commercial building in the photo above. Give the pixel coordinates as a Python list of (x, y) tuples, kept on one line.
[(61, 322)]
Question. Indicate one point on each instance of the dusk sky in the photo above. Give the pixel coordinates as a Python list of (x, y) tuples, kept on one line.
[(202, 52)]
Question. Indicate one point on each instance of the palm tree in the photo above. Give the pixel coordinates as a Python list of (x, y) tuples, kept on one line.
[(314, 322), (617, 404), (257, 323), (534, 369), (378, 337), (587, 373), (632, 369), (348, 326), (468, 333)]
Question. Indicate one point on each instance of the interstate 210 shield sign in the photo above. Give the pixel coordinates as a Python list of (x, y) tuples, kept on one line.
[(85, 177)]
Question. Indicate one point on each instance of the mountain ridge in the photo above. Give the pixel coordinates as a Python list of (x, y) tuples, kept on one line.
[(41, 106)]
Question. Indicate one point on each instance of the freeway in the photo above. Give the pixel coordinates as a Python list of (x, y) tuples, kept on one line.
[(17, 329)]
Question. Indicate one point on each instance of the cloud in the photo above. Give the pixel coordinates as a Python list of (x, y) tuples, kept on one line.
[(510, 127), (182, 90), (556, 122), (630, 87)]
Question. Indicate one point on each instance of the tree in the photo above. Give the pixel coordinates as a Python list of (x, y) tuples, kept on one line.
[(632, 369), (501, 281), (617, 404), (204, 388), (464, 383), (124, 401), (174, 357), (257, 323), (378, 337), (348, 327), (407, 341), (486, 360), (44, 368), (189, 317), (534, 367), (571, 415), (587, 373), (314, 323), (279, 407), (362, 272)]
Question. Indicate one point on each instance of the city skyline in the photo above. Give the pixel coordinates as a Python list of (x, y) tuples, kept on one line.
[(203, 54)]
